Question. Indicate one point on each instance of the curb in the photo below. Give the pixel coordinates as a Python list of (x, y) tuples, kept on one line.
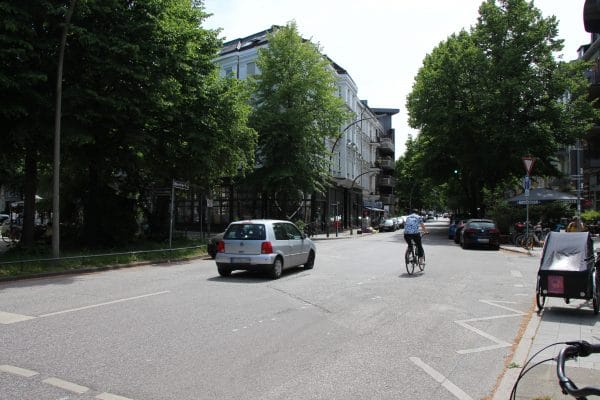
[(519, 357), (97, 269)]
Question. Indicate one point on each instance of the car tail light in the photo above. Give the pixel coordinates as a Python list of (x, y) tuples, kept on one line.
[(266, 248), (494, 230), (220, 246), (470, 231)]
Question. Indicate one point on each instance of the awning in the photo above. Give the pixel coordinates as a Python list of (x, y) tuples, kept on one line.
[(373, 209)]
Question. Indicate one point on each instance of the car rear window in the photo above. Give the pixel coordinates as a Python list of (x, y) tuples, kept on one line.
[(482, 225), (246, 232)]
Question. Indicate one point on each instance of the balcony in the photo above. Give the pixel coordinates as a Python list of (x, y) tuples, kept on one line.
[(386, 181), (386, 145), (386, 163)]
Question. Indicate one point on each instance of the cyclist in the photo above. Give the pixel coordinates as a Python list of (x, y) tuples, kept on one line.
[(576, 225), (411, 232)]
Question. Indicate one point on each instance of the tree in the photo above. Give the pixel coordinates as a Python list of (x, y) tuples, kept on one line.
[(485, 98), (142, 105), (295, 109)]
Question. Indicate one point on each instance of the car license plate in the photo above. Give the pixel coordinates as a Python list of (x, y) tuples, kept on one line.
[(483, 240), (240, 260)]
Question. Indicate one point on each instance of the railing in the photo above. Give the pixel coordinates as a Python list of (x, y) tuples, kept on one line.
[(386, 163), (386, 181)]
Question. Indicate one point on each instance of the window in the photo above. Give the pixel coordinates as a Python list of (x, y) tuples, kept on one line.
[(250, 69)]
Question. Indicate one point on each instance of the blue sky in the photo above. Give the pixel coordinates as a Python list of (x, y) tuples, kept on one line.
[(381, 43)]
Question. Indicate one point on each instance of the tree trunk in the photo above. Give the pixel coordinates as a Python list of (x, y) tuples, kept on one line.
[(29, 189)]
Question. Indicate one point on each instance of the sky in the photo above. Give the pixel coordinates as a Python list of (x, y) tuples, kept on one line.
[(381, 43)]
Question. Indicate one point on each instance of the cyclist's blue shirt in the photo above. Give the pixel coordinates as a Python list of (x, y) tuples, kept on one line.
[(411, 225)]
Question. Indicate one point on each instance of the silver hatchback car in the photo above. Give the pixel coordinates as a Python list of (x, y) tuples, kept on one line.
[(264, 244)]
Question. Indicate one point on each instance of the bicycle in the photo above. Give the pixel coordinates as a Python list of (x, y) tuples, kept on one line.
[(10, 234), (579, 348), (411, 259)]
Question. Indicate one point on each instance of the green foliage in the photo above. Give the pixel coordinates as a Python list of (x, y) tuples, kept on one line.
[(295, 109), (142, 104), (487, 97), (590, 216)]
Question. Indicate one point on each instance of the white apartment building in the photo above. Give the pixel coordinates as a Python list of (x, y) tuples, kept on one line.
[(354, 153)]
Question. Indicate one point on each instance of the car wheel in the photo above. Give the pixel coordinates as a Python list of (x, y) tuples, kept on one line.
[(277, 268), (310, 263), (224, 271)]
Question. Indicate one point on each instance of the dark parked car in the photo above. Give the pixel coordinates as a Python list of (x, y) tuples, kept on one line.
[(460, 223), (211, 246), (480, 232)]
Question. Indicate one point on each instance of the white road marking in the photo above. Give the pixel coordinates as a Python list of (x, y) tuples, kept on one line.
[(516, 274), (449, 386), (70, 386), (498, 342), (519, 285), (109, 396), (18, 371), (103, 304), (9, 318)]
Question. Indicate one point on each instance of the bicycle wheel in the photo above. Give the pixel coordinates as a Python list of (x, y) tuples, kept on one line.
[(409, 258), (528, 242)]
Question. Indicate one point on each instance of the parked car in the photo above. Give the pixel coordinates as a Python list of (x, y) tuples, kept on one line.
[(264, 244), (213, 241), (401, 221), (459, 227), (387, 225), (454, 223), (480, 232)]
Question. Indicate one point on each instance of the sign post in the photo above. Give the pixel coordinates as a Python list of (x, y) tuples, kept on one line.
[(528, 162)]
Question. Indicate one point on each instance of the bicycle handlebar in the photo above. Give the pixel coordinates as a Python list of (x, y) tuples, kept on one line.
[(574, 349)]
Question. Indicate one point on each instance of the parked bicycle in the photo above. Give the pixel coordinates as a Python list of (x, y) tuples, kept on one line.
[(411, 259), (574, 349), (10, 233)]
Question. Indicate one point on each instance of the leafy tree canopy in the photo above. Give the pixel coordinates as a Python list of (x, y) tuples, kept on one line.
[(487, 97), (296, 108)]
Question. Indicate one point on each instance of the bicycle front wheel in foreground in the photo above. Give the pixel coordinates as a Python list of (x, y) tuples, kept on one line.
[(410, 267)]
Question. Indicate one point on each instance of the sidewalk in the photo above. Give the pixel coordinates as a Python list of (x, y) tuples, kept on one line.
[(558, 322), (343, 234)]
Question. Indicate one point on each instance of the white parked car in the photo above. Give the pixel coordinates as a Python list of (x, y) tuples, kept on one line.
[(264, 244)]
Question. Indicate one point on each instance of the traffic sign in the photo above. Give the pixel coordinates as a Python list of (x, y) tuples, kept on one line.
[(528, 162), (181, 185)]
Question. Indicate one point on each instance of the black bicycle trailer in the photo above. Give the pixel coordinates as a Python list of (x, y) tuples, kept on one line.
[(568, 269)]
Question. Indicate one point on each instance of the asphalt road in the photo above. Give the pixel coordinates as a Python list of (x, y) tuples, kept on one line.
[(355, 327)]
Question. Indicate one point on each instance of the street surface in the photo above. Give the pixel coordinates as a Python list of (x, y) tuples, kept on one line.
[(355, 327)]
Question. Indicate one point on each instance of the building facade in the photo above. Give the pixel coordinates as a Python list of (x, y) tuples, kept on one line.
[(362, 156)]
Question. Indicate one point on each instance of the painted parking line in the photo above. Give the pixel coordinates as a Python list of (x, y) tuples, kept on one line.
[(18, 371), (66, 385), (109, 396), (438, 377), (59, 383), (498, 343), (102, 304), (10, 318)]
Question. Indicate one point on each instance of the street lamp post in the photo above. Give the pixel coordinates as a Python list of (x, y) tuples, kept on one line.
[(333, 147), (57, 117)]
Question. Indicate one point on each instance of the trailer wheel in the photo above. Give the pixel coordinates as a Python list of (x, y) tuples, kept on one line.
[(539, 299)]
